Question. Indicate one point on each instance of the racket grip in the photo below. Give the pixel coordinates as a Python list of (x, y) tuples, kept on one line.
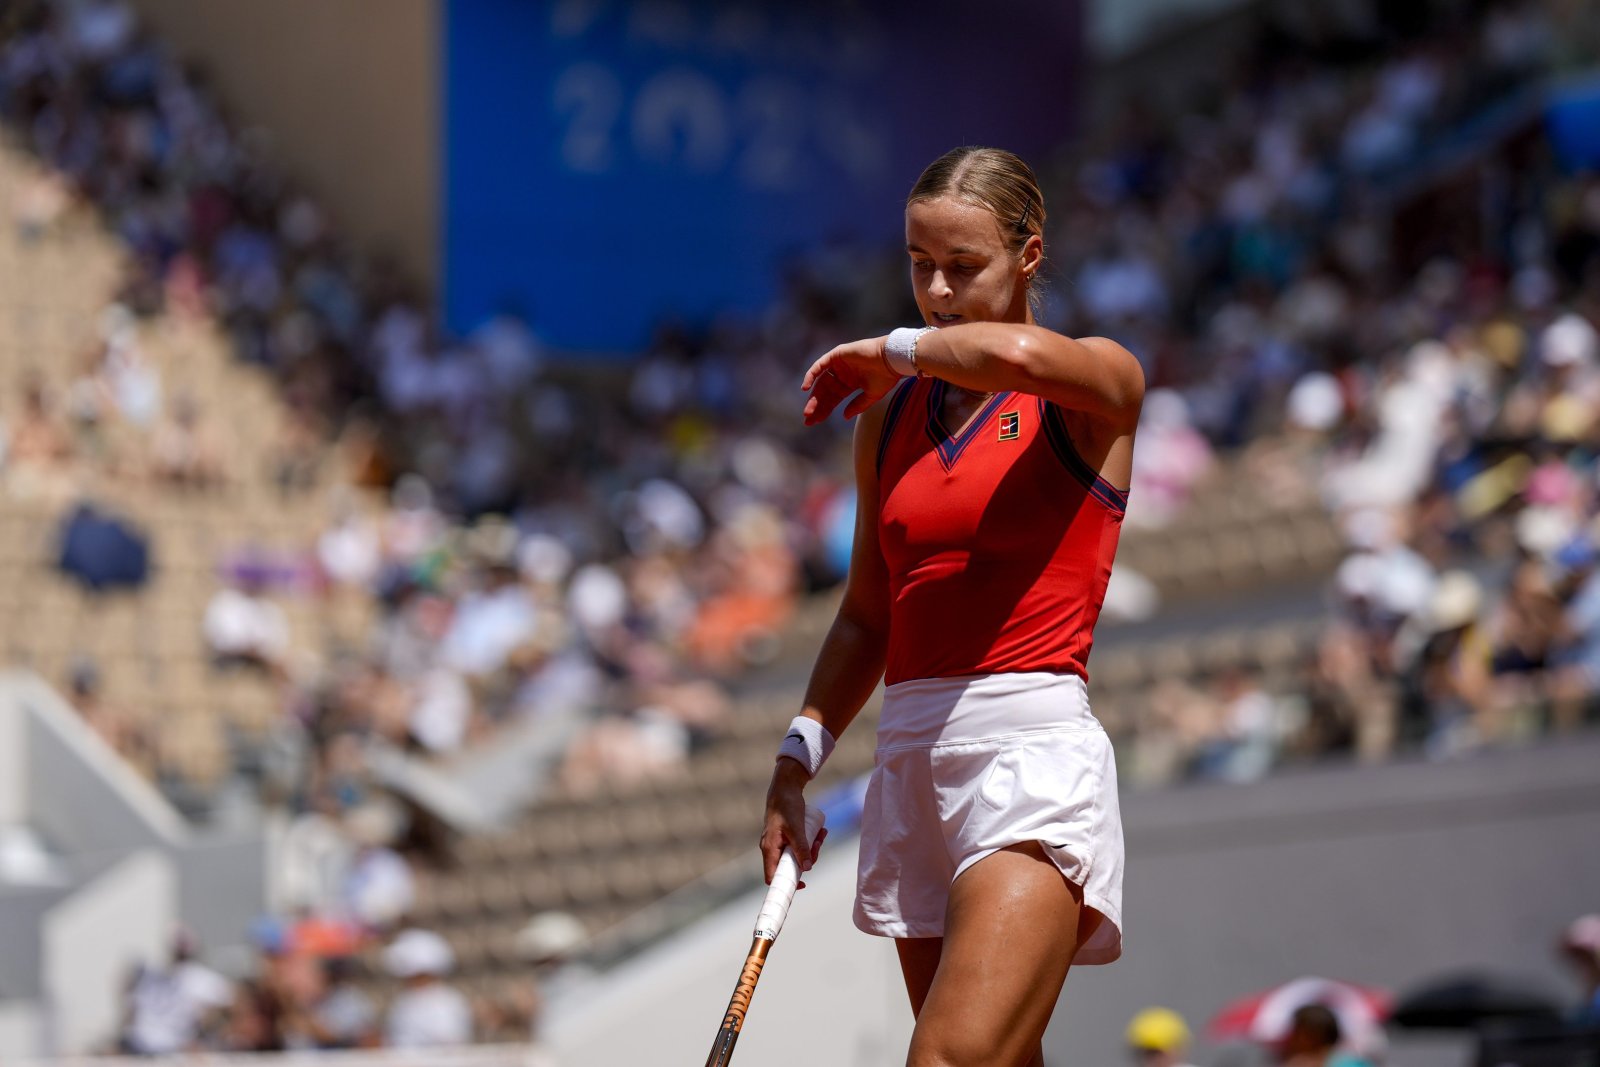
[(780, 894)]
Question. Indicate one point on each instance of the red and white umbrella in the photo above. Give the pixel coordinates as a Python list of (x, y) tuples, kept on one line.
[(1265, 1016)]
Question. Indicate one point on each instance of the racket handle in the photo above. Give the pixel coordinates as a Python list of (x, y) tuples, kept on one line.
[(774, 909), (780, 894)]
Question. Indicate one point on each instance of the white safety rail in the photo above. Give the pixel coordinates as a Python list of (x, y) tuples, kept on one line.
[(471, 1056)]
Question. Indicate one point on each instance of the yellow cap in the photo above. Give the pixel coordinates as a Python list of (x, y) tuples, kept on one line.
[(1158, 1029)]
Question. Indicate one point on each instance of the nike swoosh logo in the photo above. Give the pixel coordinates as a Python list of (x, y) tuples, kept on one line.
[(797, 735)]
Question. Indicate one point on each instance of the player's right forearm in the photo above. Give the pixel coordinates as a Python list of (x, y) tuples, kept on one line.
[(847, 671)]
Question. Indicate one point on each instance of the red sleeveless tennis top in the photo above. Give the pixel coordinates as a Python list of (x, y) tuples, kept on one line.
[(998, 540)]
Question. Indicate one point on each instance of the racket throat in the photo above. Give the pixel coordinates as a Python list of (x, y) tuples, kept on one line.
[(739, 1005)]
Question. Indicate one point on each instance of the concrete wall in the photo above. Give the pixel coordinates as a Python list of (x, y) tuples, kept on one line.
[(13, 769), (349, 92), (1163, 51), (222, 885), (20, 1028), (75, 789), (829, 995), (92, 940), (22, 909), (1117, 27), (132, 868)]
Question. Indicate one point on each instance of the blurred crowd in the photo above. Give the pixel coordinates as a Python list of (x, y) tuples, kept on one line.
[(110, 417), (345, 965), (1248, 238), (311, 987), (551, 543), (1363, 325), (1458, 455), (605, 553)]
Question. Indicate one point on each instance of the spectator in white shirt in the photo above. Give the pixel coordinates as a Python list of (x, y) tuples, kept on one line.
[(427, 1013), (243, 627), (167, 1006), (379, 888)]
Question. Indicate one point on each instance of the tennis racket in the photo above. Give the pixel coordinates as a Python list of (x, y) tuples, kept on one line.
[(774, 909)]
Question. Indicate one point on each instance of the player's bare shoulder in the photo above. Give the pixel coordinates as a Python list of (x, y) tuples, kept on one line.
[(869, 433), (870, 423)]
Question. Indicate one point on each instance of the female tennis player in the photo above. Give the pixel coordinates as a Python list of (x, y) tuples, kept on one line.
[(991, 460)]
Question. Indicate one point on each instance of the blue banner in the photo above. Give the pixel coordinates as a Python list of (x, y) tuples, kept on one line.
[(1574, 123), (610, 163)]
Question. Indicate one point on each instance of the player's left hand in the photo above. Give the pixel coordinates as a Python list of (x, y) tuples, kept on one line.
[(859, 365)]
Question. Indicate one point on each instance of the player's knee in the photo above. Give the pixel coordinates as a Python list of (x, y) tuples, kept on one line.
[(930, 1049)]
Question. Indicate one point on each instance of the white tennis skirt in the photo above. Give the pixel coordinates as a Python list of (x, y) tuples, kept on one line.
[(967, 766)]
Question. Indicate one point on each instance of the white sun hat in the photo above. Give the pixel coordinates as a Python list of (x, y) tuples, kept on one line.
[(417, 952)]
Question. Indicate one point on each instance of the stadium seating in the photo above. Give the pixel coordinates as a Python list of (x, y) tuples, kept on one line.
[(145, 645)]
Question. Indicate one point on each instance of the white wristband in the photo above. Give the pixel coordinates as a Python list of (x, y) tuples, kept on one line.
[(900, 350), (808, 743)]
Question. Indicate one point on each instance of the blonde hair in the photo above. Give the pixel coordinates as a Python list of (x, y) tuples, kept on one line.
[(991, 178)]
